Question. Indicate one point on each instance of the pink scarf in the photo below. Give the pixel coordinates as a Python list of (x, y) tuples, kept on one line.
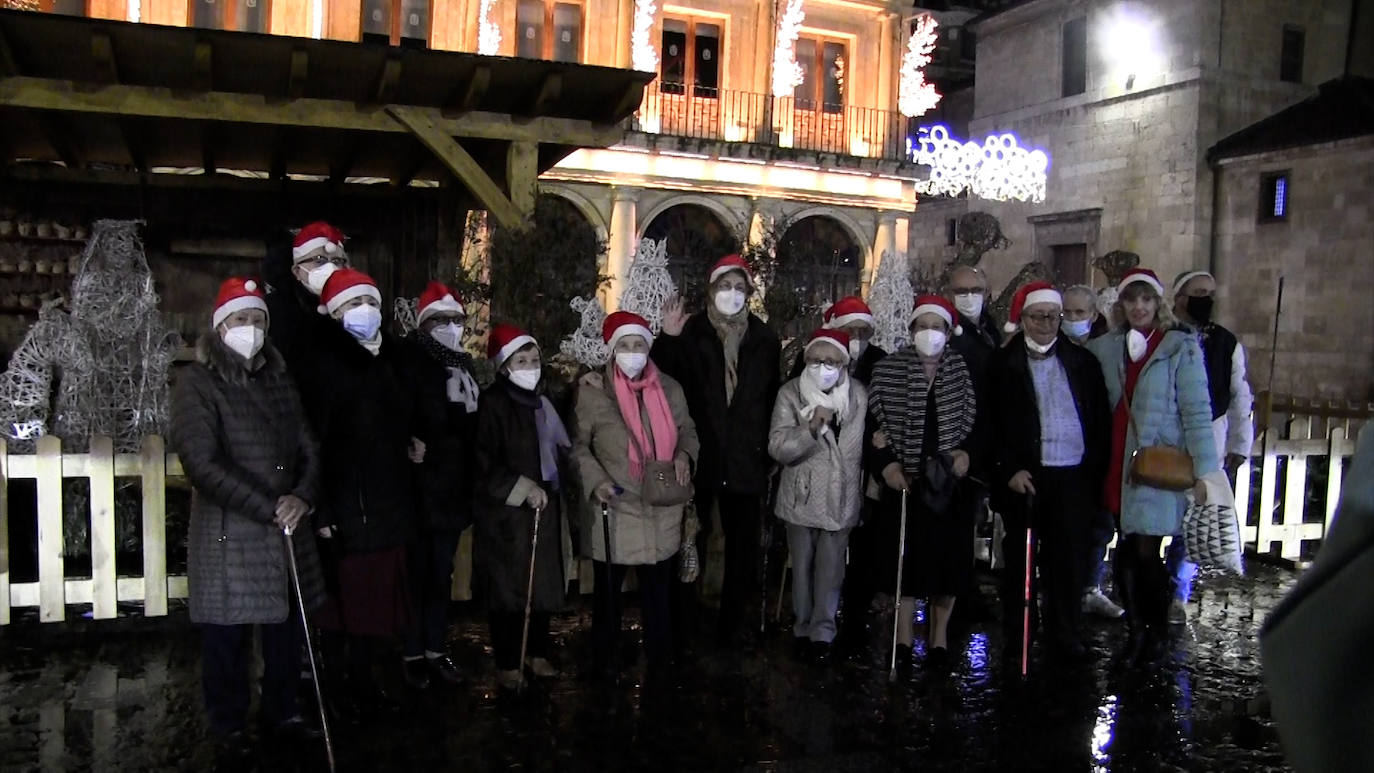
[(650, 392)]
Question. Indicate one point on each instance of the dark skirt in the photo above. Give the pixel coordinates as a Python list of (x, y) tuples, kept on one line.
[(367, 593), (939, 546)]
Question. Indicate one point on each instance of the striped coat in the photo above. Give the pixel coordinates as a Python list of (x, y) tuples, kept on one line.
[(897, 406)]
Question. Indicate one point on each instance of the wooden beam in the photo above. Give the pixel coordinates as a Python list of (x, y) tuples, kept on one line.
[(472, 92), (60, 139), (48, 173), (386, 82), (133, 144), (300, 69), (630, 99), (461, 163), (8, 66), (522, 175), (202, 66), (149, 102), (342, 164), (550, 89), (410, 165), (103, 57)]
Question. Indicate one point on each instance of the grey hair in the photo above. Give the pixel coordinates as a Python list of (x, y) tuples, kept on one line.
[(1083, 290), (978, 272)]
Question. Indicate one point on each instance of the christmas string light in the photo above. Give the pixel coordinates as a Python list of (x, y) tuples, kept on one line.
[(787, 74), (999, 169), (916, 96), (643, 56)]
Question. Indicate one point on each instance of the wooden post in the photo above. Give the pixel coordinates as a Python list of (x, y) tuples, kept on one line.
[(1243, 493), (1268, 479), (1295, 489), (4, 534), (103, 582), (52, 593), (153, 462), (1336, 444)]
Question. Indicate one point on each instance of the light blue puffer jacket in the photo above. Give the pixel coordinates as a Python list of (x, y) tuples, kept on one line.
[(1172, 408)]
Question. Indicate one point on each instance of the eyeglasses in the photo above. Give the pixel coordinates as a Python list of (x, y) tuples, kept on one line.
[(320, 260), (831, 362), (966, 291), (1041, 318)]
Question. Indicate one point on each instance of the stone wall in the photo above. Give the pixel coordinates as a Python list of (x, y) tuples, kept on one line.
[(1325, 252)]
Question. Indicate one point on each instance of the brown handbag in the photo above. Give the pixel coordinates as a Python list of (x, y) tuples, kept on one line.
[(659, 487), (1161, 467)]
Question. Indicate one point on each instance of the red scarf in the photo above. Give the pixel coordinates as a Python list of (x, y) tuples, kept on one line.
[(646, 391)]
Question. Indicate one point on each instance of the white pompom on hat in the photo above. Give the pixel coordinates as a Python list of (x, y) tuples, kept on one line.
[(940, 307), (317, 237), (236, 294)]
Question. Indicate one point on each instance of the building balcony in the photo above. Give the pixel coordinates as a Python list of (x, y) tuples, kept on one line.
[(700, 113)]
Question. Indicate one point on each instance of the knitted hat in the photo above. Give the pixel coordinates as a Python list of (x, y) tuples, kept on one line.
[(316, 238), (236, 294), (731, 263), (846, 310), (435, 299), (836, 338), (1188, 276), (624, 323), (343, 286), (1141, 275), (1029, 295), (937, 305), (504, 341)]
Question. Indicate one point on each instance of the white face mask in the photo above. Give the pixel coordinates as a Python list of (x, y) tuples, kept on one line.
[(970, 305), (316, 277), (526, 379), (245, 340), (823, 376), (729, 302), (631, 363), (857, 347), (1039, 348), (363, 321), (929, 342), (449, 335), (1077, 329)]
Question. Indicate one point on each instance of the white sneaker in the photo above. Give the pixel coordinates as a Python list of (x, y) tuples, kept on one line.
[(1096, 603), (1178, 613)]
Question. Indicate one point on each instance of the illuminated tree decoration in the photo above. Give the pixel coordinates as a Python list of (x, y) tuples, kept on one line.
[(916, 96), (585, 344), (488, 33), (642, 54), (998, 170), (787, 74), (648, 285), (891, 297)]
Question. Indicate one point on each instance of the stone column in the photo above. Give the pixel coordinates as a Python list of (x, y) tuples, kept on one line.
[(884, 240), (621, 244)]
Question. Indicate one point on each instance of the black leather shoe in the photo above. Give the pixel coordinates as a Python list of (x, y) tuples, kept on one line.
[(445, 670)]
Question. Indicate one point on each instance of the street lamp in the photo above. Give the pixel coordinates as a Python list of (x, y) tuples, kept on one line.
[(1130, 44)]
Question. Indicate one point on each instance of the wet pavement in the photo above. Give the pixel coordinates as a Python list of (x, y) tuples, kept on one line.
[(124, 695)]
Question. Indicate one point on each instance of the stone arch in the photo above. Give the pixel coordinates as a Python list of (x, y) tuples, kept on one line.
[(861, 236), (819, 261), (697, 237), (589, 210), (729, 218)]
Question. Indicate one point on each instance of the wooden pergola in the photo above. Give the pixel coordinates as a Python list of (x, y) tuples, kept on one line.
[(105, 98)]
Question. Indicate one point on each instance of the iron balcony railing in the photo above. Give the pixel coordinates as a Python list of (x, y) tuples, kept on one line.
[(685, 110)]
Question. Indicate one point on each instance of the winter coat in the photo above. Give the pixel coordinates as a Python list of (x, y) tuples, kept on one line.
[(734, 437), (641, 533), (241, 434), (822, 481), (363, 409), (445, 478), (506, 453), (1014, 414), (1171, 408)]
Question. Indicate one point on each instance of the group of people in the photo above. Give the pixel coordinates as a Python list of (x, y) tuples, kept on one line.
[(305, 426)]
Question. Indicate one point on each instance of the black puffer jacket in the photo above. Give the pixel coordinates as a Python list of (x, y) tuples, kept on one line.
[(363, 409), (242, 438), (734, 438), (448, 430)]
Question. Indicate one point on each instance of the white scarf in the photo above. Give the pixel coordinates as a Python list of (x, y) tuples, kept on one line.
[(837, 399), (374, 344), (461, 388)]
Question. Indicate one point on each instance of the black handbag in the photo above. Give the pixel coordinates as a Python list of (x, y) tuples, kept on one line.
[(937, 483)]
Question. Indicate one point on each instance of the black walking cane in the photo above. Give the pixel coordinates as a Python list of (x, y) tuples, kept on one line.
[(529, 598), (612, 593), (897, 597), (1026, 596), (309, 646)]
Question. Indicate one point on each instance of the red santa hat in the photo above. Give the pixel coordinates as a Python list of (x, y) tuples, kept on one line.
[(437, 298), (236, 294), (1029, 295), (937, 305), (504, 341), (846, 310), (624, 323), (837, 338), (343, 286), (316, 238), (1188, 276), (731, 263), (1141, 275)]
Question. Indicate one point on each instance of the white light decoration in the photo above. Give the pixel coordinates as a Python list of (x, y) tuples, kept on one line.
[(317, 19), (787, 74), (643, 56), (488, 33), (584, 344), (916, 96), (999, 169), (135, 10), (891, 298), (648, 285)]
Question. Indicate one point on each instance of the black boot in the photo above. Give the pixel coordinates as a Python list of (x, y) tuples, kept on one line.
[(1127, 577), (1155, 603)]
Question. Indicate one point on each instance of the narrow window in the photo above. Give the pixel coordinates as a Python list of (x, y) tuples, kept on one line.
[(690, 55), (1273, 199), (1075, 57), (951, 232), (240, 15), (1290, 58)]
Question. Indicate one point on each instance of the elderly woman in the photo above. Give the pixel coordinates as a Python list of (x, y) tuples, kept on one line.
[(636, 414), (727, 361), (1157, 386), (922, 407), (517, 447), (817, 435), (239, 428)]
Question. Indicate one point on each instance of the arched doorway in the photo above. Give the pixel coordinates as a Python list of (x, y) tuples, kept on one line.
[(818, 263), (696, 239)]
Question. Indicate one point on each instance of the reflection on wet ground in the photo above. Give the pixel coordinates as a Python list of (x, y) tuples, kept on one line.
[(124, 695)]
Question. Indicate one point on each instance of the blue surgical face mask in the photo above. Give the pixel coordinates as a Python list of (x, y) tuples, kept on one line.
[(363, 322), (1076, 329)]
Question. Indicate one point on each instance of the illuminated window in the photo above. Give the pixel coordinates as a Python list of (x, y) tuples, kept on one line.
[(240, 15), (549, 30), (1290, 56), (396, 22), (824, 65), (1273, 199), (690, 54), (63, 7), (1074, 78)]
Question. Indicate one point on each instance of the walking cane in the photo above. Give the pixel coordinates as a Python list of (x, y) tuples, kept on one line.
[(897, 597), (529, 598), (612, 593), (1026, 596), (309, 646)]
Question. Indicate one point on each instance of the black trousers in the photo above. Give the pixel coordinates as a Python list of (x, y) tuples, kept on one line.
[(860, 582), (655, 585), (741, 519), (505, 637), (224, 672), (431, 576), (1064, 503)]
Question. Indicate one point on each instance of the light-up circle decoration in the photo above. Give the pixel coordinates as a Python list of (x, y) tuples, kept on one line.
[(999, 169)]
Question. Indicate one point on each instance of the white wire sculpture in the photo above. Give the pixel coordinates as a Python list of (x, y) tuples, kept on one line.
[(892, 300), (916, 96), (403, 312), (648, 285), (585, 344)]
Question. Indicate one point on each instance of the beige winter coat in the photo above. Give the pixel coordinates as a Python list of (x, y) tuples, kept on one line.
[(641, 534), (822, 475)]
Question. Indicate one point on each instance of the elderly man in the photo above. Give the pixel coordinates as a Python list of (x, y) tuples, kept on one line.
[(1049, 413), (1194, 305)]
